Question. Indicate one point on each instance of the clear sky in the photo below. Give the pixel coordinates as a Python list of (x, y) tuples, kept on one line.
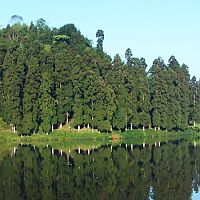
[(151, 28)]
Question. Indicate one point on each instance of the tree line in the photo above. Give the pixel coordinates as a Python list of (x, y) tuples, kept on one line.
[(50, 77)]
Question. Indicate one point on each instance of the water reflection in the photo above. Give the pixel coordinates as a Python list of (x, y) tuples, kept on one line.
[(126, 171)]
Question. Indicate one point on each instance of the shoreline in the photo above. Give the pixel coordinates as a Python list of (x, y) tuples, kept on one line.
[(66, 136)]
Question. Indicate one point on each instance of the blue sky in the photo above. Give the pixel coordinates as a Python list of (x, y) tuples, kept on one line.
[(151, 28)]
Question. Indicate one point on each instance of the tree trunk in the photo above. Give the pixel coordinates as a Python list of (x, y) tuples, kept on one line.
[(155, 128), (131, 147), (143, 128), (79, 128), (159, 128), (131, 126), (194, 123), (68, 159), (14, 129), (60, 126), (67, 117), (51, 127), (111, 128), (149, 126), (88, 126), (126, 128)]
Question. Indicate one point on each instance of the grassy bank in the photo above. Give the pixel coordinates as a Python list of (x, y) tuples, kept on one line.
[(69, 141), (66, 135)]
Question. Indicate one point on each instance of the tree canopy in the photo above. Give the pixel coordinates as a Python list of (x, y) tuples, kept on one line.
[(50, 77)]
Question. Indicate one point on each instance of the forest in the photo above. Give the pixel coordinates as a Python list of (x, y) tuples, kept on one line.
[(51, 77)]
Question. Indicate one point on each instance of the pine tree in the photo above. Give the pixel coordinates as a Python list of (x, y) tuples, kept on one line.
[(46, 103), (100, 38), (116, 79), (179, 93), (158, 93), (143, 93), (196, 114), (128, 56), (63, 84), (193, 101), (30, 99), (12, 86), (184, 77)]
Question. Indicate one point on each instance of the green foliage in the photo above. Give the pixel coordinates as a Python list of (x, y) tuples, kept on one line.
[(100, 38), (61, 38), (3, 125), (54, 77), (46, 103)]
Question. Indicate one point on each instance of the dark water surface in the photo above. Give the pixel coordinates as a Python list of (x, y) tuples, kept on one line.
[(161, 171)]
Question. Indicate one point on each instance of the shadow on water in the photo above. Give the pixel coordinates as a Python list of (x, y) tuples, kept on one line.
[(160, 170)]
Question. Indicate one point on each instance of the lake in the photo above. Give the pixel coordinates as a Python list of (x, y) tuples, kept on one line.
[(167, 170)]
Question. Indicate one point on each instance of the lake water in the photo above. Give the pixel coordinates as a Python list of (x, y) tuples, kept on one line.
[(169, 170)]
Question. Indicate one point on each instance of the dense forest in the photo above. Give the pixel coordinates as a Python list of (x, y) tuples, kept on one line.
[(50, 77)]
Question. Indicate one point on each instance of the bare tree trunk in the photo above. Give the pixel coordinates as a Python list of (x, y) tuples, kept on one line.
[(79, 128), (51, 127), (14, 129), (60, 126), (143, 128), (149, 126), (67, 117), (68, 159), (131, 126)]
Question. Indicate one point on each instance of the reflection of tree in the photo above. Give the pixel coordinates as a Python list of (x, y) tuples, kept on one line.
[(166, 172)]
